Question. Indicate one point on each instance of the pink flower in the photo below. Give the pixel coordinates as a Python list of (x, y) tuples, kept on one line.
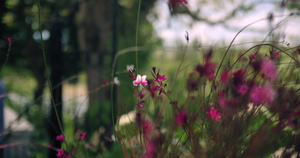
[(83, 136), (181, 118), (141, 81), (267, 56), (238, 76), (106, 83), (142, 95), (276, 55), (79, 133), (147, 129), (60, 153), (150, 150), (225, 77), (152, 90), (140, 105), (269, 70), (241, 89), (160, 79), (291, 122), (262, 94), (221, 100), (9, 40), (208, 69), (60, 138), (251, 56), (214, 114)]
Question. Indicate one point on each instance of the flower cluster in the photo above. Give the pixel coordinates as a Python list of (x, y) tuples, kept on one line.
[(62, 153), (160, 79), (60, 138), (65, 154), (214, 114), (246, 101), (81, 135)]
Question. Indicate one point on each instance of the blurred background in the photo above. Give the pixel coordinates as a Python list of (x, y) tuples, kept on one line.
[(81, 39)]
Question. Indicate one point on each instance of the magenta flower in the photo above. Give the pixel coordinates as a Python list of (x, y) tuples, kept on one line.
[(268, 70), (262, 94), (141, 81), (225, 77), (60, 152), (251, 56), (150, 150), (181, 118), (241, 89), (208, 69), (79, 133), (238, 76), (83, 136), (160, 79), (147, 129), (60, 138), (9, 40), (106, 83), (140, 105), (214, 114), (275, 55), (152, 89), (221, 99)]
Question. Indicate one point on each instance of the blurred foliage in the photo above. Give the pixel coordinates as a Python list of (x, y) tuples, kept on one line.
[(22, 25)]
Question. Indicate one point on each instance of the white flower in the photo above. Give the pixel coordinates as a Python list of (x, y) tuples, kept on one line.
[(116, 81), (113, 138), (175, 141), (130, 67)]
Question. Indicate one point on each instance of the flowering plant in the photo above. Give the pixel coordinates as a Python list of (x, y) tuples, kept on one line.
[(245, 109)]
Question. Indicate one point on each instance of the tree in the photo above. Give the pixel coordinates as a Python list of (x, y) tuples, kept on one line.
[(95, 25)]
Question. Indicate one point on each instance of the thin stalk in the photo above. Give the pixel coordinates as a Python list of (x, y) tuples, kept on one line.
[(121, 52), (169, 92), (48, 74), (136, 35), (212, 86), (231, 43), (7, 55)]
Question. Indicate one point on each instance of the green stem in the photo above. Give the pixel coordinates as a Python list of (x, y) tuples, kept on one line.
[(176, 75), (7, 55), (136, 35), (48, 74), (121, 52)]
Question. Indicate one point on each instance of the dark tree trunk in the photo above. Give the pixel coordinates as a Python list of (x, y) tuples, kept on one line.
[(2, 11), (41, 81), (56, 66), (94, 32)]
